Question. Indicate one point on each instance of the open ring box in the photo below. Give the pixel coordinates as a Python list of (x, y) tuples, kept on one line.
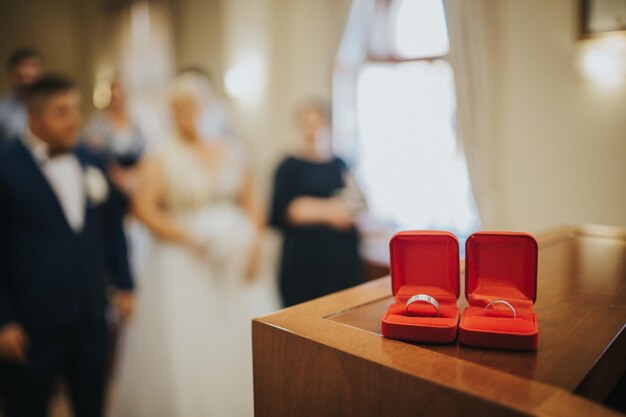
[(500, 266), (423, 262)]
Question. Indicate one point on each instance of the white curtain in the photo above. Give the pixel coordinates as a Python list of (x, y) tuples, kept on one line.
[(352, 49), (143, 53), (472, 55)]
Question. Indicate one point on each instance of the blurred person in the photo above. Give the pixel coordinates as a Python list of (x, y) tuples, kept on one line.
[(187, 353), (61, 241), (114, 133), (214, 124), (312, 208), (23, 69)]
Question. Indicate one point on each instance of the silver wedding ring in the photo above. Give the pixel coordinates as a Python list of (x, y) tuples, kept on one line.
[(421, 298), (506, 303)]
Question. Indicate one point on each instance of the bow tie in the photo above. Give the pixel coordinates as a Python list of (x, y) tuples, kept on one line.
[(55, 153)]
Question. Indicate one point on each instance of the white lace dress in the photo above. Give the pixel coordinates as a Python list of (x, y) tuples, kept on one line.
[(187, 351)]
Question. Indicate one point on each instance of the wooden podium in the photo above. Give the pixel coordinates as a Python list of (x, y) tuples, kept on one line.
[(327, 357)]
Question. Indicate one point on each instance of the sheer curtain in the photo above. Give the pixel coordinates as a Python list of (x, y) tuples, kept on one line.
[(139, 50), (394, 98), (352, 50), (472, 46)]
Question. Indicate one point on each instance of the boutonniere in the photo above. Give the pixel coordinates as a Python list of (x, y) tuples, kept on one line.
[(96, 186)]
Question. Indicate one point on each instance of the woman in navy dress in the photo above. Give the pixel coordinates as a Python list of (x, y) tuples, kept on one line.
[(320, 249)]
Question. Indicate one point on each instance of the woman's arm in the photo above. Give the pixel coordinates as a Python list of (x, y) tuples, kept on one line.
[(146, 204), (289, 209), (332, 212), (252, 207)]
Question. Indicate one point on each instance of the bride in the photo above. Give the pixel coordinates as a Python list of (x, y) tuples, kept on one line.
[(187, 352)]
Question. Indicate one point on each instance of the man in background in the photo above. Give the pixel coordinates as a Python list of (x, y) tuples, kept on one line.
[(23, 69)]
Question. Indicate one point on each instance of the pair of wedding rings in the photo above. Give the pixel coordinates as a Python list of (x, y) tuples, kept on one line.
[(425, 298)]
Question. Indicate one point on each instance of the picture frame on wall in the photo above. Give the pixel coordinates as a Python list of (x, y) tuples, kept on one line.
[(601, 17)]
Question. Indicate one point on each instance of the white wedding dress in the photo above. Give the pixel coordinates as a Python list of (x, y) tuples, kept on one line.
[(187, 351)]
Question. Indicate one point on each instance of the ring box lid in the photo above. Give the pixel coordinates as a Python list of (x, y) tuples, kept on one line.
[(501, 265), (425, 259)]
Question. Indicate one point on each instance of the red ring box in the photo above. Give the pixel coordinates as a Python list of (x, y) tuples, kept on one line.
[(423, 262), (500, 266)]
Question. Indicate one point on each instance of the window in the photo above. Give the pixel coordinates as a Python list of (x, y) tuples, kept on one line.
[(420, 29), (406, 155)]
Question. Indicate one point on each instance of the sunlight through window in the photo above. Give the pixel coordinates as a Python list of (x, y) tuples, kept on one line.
[(409, 159), (420, 28)]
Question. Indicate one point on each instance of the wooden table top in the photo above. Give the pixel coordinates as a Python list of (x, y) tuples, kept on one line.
[(581, 306)]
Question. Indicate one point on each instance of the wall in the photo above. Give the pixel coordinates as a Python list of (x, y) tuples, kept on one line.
[(198, 36), (562, 138), (52, 28)]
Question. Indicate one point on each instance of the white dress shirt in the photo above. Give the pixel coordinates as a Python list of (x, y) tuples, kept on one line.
[(65, 175)]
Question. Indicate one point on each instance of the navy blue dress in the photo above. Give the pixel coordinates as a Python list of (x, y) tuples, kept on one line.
[(316, 259)]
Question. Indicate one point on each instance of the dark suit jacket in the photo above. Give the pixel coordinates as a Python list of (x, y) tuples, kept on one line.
[(50, 276)]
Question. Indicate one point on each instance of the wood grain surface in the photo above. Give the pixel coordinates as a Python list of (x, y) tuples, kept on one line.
[(327, 357)]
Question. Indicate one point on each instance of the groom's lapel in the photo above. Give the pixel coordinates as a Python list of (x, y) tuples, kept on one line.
[(35, 180), (84, 164)]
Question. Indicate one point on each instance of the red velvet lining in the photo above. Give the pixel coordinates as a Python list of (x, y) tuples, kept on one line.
[(500, 320), (500, 265), (448, 316), (442, 329), (521, 333), (425, 258), (423, 263)]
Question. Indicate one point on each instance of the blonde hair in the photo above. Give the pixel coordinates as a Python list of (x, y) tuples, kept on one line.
[(194, 85)]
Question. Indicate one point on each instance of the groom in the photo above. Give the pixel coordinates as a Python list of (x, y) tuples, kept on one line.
[(61, 243)]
